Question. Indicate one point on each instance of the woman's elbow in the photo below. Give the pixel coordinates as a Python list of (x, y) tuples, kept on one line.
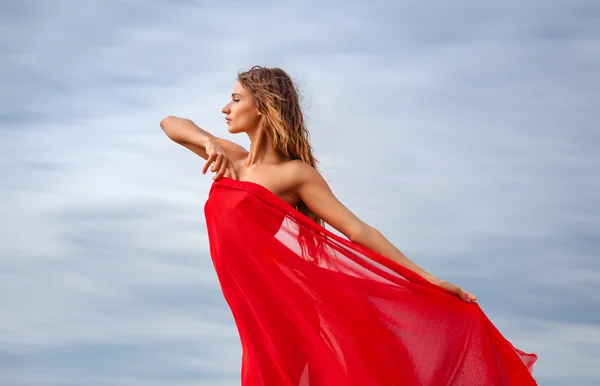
[(360, 232), (166, 121), (169, 125)]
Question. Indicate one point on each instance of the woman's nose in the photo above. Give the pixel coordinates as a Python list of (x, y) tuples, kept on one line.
[(225, 109)]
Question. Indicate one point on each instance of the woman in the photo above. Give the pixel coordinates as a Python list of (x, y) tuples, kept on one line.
[(313, 308)]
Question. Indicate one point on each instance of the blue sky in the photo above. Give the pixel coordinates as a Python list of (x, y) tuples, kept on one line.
[(466, 132)]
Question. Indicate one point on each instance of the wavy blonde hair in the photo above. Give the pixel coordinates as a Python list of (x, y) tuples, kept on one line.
[(278, 101)]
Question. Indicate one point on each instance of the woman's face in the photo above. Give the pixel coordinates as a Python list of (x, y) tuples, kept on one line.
[(241, 113)]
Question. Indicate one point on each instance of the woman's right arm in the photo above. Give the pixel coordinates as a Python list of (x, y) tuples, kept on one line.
[(213, 149), (186, 133)]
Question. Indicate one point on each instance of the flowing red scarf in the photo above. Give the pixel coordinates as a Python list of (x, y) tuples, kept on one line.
[(314, 309)]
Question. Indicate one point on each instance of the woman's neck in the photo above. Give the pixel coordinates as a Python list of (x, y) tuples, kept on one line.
[(261, 150)]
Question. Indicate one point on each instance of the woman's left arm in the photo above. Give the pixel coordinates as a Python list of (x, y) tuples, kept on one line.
[(316, 194)]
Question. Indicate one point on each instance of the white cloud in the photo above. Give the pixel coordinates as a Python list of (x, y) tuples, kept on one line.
[(464, 132)]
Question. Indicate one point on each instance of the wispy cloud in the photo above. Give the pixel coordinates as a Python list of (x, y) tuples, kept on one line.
[(464, 132)]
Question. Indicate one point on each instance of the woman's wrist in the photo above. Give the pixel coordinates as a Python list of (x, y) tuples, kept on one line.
[(207, 140)]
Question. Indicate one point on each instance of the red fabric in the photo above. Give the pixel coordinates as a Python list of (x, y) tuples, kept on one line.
[(313, 309)]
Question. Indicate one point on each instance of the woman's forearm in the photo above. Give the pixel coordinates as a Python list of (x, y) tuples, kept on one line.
[(372, 239), (184, 131)]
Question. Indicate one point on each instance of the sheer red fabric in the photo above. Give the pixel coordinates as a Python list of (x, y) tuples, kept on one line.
[(313, 309)]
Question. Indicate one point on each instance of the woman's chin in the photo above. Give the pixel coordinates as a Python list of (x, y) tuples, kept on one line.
[(233, 130)]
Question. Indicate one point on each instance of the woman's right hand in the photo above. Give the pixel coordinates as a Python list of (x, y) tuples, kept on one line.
[(221, 164)]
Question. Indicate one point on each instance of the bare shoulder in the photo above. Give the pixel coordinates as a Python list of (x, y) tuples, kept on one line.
[(314, 191), (301, 173)]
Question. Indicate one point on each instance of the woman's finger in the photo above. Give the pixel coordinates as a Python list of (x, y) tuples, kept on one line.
[(232, 172), (220, 172), (468, 296), (222, 168), (209, 160), (218, 163)]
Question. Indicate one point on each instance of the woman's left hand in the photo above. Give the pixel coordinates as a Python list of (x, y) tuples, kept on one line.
[(461, 293)]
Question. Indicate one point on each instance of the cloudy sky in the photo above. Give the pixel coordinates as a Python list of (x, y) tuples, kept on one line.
[(467, 132)]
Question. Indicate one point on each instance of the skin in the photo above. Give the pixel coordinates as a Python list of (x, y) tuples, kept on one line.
[(292, 180)]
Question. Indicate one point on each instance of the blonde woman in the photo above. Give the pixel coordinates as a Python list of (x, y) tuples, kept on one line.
[(313, 308)]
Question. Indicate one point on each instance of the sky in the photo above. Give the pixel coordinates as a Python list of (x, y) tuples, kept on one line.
[(466, 132)]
